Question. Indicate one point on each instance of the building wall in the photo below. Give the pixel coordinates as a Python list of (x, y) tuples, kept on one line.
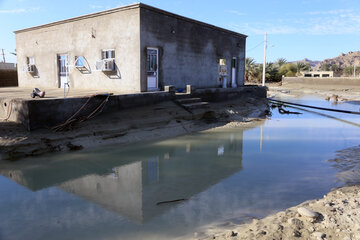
[(8, 78), (318, 74), (7, 66), (189, 52), (336, 81), (117, 30), (119, 192)]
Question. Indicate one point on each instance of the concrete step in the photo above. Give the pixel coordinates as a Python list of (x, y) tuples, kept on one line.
[(188, 100), (196, 105)]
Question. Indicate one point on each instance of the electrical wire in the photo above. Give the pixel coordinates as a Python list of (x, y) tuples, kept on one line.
[(68, 123), (8, 111), (255, 46)]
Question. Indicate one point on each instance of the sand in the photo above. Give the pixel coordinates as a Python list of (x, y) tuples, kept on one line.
[(337, 217)]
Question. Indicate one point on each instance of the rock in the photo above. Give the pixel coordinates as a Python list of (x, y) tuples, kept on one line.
[(280, 228), (311, 229), (296, 222), (73, 147), (307, 213), (297, 234), (233, 234), (319, 235)]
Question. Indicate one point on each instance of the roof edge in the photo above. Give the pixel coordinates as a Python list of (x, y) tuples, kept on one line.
[(142, 5), (128, 7), (91, 15)]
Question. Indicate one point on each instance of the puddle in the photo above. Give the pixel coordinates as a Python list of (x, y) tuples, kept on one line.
[(238, 173)]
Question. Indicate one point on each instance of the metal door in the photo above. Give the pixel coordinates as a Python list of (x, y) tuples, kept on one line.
[(152, 64), (63, 65)]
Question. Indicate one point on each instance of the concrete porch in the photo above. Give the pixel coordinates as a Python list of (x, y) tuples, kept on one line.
[(16, 105)]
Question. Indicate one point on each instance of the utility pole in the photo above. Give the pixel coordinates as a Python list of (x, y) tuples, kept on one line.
[(3, 54), (264, 64)]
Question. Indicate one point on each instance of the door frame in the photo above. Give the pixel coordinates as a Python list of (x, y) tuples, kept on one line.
[(157, 69), (59, 68)]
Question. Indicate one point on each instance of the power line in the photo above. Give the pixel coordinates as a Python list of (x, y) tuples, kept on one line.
[(255, 46)]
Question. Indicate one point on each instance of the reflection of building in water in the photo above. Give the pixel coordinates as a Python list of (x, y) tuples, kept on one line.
[(164, 171)]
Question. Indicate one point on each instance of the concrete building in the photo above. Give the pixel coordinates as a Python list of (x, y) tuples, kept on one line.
[(135, 48), (8, 75), (318, 74), (7, 66)]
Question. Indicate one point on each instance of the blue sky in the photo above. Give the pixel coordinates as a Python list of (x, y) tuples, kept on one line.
[(314, 29)]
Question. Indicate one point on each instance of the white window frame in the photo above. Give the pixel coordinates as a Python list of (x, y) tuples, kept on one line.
[(108, 54), (30, 60)]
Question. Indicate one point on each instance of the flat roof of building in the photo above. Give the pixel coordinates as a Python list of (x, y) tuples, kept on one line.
[(128, 7)]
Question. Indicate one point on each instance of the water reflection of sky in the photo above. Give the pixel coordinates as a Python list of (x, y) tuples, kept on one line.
[(111, 193)]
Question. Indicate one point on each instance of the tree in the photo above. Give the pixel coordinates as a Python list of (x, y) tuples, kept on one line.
[(251, 70), (281, 61), (325, 67), (349, 71), (301, 66), (288, 70), (271, 72), (338, 70)]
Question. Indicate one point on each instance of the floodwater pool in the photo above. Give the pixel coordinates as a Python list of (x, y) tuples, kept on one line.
[(230, 174)]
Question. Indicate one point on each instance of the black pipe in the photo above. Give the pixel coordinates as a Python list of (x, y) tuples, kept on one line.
[(320, 108)]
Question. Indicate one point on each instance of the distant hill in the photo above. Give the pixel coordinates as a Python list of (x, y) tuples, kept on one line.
[(343, 60), (312, 63)]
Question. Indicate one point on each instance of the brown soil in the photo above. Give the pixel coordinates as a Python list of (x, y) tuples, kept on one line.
[(148, 123)]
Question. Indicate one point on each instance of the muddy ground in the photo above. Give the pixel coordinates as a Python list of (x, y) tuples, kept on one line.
[(148, 123), (331, 93)]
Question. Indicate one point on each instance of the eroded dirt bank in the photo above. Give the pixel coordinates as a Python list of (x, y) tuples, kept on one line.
[(335, 216), (149, 123), (331, 93)]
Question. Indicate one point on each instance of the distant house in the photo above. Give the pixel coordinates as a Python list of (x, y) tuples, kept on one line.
[(135, 48), (318, 74), (7, 66), (8, 75)]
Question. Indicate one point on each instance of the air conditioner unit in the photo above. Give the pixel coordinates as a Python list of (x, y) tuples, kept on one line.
[(99, 65), (109, 65), (30, 68)]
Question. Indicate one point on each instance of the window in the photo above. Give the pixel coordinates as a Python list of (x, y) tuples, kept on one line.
[(63, 65), (151, 61), (222, 61), (30, 61), (222, 67), (107, 53), (79, 61), (233, 63)]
